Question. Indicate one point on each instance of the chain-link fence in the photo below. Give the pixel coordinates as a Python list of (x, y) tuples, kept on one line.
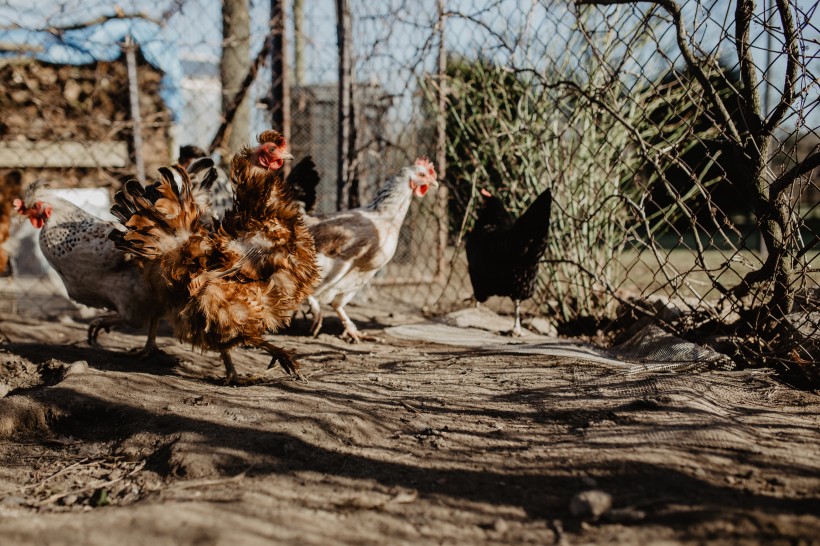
[(679, 139)]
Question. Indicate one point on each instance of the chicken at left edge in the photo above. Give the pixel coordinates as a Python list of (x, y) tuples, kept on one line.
[(95, 273)]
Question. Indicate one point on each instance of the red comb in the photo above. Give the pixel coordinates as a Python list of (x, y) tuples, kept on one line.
[(425, 163), (485, 193)]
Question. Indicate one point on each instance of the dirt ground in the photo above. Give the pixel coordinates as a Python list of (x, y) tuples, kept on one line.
[(395, 442)]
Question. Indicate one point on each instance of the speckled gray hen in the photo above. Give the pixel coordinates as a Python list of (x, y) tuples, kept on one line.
[(95, 273)]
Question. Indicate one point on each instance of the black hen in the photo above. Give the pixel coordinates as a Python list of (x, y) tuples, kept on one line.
[(503, 254)]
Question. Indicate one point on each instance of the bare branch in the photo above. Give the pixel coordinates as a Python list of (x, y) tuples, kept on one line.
[(692, 63), (785, 180), (792, 66), (751, 98), (764, 273)]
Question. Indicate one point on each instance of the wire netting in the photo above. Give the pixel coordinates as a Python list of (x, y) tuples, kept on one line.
[(680, 139)]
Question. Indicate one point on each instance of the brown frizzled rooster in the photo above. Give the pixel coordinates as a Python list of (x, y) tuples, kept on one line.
[(226, 283)]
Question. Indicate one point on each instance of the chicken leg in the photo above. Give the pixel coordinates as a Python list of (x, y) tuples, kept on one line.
[(108, 321), (316, 311), (516, 331), (230, 370), (151, 346)]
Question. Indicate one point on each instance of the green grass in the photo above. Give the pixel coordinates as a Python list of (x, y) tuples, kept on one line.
[(685, 277)]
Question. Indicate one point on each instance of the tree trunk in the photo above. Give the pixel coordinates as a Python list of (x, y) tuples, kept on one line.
[(298, 42), (345, 130), (441, 151), (280, 87), (134, 100), (234, 65)]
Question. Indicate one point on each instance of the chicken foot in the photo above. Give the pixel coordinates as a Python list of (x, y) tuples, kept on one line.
[(100, 323), (278, 354), (351, 331), (284, 357)]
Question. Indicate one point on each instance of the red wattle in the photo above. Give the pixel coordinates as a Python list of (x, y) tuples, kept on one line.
[(270, 162)]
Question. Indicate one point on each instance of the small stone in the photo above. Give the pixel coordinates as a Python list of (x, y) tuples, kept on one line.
[(81, 366), (428, 431), (69, 500), (590, 504), (500, 525)]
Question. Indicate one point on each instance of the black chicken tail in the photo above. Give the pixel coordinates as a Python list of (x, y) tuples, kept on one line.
[(304, 178), (532, 226)]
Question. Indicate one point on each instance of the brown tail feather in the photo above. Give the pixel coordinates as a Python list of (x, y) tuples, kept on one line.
[(156, 218)]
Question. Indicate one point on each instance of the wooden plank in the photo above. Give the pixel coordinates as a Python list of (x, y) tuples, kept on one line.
[(51, 154)]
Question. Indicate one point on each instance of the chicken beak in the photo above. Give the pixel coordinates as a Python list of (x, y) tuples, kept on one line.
[(286, 156)]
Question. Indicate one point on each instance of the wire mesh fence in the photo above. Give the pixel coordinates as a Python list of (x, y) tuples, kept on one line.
[(680, 140)]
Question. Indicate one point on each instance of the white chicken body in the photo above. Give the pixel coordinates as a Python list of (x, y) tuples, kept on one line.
[(352, 246), (345, 276)]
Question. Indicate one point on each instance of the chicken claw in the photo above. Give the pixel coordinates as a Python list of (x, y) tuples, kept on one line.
[(285, 359), (102, 323), (146, 352), (355, 335)]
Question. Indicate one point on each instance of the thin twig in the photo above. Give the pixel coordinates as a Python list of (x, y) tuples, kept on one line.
[(57, 496), (46, 479)]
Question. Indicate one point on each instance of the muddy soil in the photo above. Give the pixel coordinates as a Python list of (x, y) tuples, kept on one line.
[(392, 442)]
